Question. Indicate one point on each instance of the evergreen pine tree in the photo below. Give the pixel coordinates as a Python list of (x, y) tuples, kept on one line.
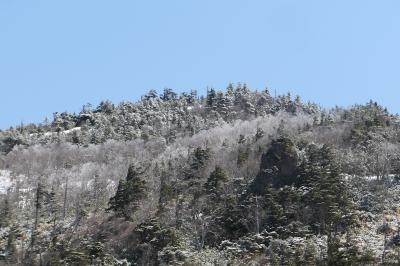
[(211, 98), (215, 180), (129, 192), (39, 202), (329, 195), (169, 95), (5, 214), (199, 158)]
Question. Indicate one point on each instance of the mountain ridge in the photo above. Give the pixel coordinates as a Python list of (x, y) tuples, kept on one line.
[(233, 178)]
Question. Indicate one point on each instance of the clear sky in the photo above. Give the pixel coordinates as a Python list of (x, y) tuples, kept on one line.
[(59, 55)]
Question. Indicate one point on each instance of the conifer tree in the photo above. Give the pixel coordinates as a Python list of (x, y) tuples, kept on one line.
[(169, 95), (152, 94), (200, 158), (328, 196), (211, 98), (39, 202), (215, 181), (274, 211), (5, 214), (129, 192)]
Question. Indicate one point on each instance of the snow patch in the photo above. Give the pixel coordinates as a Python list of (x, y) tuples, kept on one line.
[(5, 181), (370, 177), (71, 130), (48, 134)]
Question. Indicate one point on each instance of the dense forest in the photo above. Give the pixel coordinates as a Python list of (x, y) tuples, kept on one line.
[(234, 177)]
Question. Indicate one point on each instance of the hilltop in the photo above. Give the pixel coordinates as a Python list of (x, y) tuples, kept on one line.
[(234, 177)]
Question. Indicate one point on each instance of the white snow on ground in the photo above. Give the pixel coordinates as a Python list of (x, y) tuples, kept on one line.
[(370, 178), (374, 177), (49, 134), (71, 130), (5, 181)]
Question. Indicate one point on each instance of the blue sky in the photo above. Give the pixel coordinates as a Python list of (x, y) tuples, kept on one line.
[(59, 55)]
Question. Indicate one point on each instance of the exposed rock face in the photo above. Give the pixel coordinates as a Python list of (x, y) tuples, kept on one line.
[(278, 166)]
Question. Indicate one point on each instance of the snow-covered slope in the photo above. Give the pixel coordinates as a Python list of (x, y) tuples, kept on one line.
[(5, 181)]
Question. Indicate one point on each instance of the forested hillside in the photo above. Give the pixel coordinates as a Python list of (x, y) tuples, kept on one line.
[(234, 177)]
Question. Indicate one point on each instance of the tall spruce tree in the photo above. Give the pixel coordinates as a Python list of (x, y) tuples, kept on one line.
[(211, 98), (5, 214), (129, 192), (215, 181), (328, 196)]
